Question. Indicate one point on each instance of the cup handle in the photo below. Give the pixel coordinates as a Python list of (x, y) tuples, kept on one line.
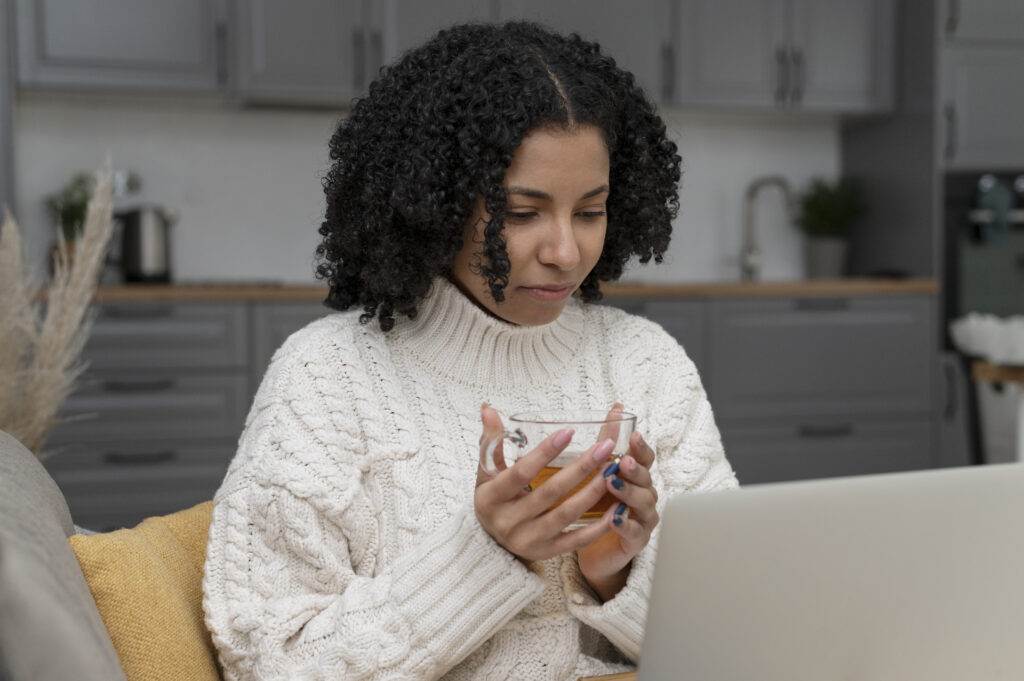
[(488, 462)]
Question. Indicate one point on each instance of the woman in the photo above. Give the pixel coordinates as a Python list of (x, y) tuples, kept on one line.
[(486, 178)]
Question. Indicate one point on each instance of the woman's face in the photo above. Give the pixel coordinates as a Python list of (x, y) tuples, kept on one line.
[(557, 186)]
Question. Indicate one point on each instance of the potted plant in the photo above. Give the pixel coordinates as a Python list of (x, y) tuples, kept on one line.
[(827, 213), (68, 208)]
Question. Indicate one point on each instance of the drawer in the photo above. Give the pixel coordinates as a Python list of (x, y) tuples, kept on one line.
[(155, 336), (806, 449), (146, 406), (118, 459), (102, 500), (856, 356)]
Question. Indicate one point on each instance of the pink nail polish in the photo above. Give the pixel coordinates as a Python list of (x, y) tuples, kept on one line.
[(603, 450), (562, 438)]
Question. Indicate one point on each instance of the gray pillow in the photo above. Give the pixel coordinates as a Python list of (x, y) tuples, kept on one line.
[(49, 626)]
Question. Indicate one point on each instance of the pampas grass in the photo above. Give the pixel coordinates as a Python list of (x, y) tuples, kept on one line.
[(42, 335)]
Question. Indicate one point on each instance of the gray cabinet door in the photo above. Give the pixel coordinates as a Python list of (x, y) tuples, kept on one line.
[(409, 23), (732, 53), (798, 450), (133, 44), (982, 104), (821, 357), (636, 34), (308, 51), (830, 56), (6, 109), (983, 21), (841, 55)]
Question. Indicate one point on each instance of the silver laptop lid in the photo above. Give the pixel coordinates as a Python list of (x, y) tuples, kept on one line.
[(907, 577)]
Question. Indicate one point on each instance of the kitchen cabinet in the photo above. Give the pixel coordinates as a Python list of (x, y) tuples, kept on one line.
[(981, 96), (309, 51), (409, 23), (637, 34), (154, 422), (831, 56), (6, 108), (816, 387), (984, 21), (122, 44)]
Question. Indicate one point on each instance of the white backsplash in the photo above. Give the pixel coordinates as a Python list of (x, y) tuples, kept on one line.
[(246, 183)]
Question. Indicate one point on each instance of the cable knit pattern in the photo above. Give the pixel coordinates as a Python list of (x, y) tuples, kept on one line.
[(344, 544)]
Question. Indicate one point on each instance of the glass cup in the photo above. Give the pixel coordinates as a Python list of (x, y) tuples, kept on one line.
[(526, 430)]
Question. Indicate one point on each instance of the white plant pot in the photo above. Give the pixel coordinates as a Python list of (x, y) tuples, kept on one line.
[(825, 257)]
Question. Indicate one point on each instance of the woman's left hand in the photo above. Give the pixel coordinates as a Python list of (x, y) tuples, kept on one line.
[(605, 562)]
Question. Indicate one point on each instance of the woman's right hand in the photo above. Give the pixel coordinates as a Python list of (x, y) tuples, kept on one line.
[(523, 521)]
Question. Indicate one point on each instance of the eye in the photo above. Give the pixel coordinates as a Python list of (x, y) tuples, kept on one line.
[(591, 214), (521, 216)]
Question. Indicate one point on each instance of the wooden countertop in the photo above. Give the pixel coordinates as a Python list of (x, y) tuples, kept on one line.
[(262, 292)]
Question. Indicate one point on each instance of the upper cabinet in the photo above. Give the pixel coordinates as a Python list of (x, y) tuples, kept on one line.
[(122, 44), (638, 34), (984, 21), (310, 51), (981, 62), (831, 56)]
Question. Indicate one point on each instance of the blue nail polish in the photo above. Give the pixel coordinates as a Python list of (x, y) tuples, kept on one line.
[(617, 483), (611, 470), (620, 509), (617, 520)]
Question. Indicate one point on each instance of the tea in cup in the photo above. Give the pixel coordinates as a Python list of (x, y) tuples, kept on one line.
[(526, 430)]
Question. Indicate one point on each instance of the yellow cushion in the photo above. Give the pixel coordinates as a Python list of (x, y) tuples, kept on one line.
[(147, 584)]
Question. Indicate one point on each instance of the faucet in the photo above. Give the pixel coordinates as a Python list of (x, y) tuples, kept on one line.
[(750, 256)]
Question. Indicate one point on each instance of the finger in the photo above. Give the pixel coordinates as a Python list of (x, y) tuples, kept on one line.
[(571, 507), (492, 430), (633, 534), (610, 430), (631, 471), (579, 537), (641, 501), (569, 481), (524, 472), (640, 450)]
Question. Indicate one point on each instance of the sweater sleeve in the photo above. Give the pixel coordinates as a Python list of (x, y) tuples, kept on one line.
[(688, 457), (292, 586)]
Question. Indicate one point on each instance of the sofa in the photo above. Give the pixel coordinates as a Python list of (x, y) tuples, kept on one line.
[(121, 605)]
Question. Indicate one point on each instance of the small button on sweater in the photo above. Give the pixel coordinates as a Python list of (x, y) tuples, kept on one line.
[(344, 542)]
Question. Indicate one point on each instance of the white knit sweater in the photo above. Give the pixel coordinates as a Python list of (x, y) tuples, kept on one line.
[(344, 543)]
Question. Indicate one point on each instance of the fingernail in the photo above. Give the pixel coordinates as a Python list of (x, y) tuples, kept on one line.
[(611, 470), (562, 437), (617, 482), (603, 450), (620, 513)]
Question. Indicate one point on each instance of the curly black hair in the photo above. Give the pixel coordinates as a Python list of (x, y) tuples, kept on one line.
[(438, 128)]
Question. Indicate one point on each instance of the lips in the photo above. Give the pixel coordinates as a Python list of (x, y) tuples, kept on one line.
[(549, 292)]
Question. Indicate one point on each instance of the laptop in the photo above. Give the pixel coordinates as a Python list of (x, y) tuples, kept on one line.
[(913, 576)]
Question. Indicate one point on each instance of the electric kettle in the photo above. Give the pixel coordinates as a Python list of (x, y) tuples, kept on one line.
[(146, 244)]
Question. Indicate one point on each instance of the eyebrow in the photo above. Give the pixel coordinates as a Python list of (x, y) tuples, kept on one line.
[(537, 194)]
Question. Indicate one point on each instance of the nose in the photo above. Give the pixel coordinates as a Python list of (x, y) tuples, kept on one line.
[(559, 248)]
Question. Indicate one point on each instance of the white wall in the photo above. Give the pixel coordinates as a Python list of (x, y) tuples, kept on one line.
[(247, 182)]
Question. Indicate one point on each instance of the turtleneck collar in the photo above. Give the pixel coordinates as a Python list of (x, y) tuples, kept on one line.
[(455, 338)]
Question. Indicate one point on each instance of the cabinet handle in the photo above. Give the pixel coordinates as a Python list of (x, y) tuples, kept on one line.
[(950, 132), (376, 52), (781, 75), (157, 385), (220, 38), (821, 304), (139, 458), (949, 370), (668, 72), (838, 430), (358, 59), (953, 18), (799, 74)]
